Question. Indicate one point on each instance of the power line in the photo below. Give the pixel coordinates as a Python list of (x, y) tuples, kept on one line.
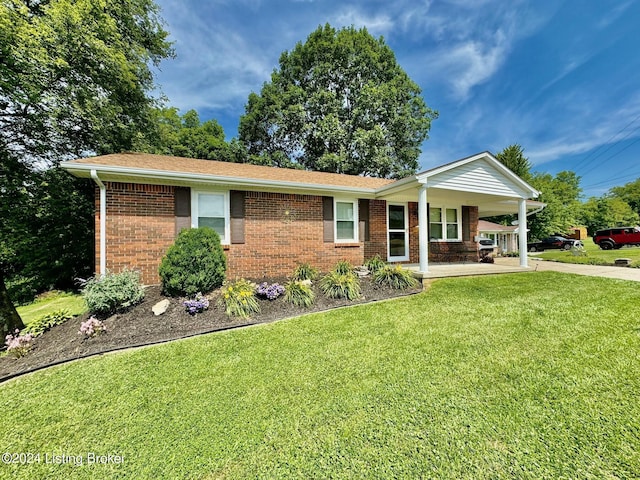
[(588, 161)]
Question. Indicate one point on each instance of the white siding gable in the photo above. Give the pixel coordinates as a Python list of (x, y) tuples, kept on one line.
[(479, 176)]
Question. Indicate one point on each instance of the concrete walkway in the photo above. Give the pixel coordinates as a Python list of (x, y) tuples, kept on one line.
[(512, 265), (539, 265)]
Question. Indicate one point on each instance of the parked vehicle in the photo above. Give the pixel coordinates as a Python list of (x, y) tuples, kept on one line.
[(554, 242), (614, 238)]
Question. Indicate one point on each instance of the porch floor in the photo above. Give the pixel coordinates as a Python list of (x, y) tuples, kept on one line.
[(444, 270)]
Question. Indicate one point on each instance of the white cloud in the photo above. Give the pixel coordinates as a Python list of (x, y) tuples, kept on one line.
[(376, 24)]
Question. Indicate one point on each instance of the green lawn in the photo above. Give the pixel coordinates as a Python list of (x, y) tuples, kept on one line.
[(52, 302), (490, 377), (595, 256)]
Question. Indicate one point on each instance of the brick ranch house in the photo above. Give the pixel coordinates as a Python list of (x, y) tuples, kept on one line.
[(270, 219)]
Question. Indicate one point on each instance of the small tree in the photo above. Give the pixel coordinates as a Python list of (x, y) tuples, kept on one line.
[(194, 263)]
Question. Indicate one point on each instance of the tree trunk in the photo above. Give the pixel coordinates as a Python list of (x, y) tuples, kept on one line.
[(9, 317)]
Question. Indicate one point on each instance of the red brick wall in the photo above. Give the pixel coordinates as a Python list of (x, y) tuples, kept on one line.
[(377, 243), (140, 227), (282, 230)]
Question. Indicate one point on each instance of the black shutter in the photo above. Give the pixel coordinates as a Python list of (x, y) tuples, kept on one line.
[(237, 216), (327, 219)]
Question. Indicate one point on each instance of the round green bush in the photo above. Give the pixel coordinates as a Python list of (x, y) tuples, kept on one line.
[(194, 263)]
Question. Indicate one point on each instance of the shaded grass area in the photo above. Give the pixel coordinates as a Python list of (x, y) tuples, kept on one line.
[(51, 302), (488, 377), (594, 256)]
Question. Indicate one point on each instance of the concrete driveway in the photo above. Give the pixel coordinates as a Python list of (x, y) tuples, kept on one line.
[(536, 264)]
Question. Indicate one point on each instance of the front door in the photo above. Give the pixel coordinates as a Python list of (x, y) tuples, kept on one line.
[(397, 233)]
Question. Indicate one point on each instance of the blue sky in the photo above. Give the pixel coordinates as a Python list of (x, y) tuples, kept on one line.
[(561, 78)]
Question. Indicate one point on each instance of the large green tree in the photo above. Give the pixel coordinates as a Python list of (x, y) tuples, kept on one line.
[(630, 193), (186, 136), (608, 211), (75, 78), (339, 102), (561, 193), (513, 158)]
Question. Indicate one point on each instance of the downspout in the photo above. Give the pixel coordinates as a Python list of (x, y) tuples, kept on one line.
[(103, 223)]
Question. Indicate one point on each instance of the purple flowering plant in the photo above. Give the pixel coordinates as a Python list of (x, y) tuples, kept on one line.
[(198, 305), (272, 291), (18, 345), (92, 327)]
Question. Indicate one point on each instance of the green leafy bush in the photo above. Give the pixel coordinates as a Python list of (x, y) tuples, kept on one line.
[(304, 271), (299, 293), (194, 263), (238, 299), (338, 285), (374, 264), (113, 292), (343, 267), (46, 322), (395, 277), (21, 290)]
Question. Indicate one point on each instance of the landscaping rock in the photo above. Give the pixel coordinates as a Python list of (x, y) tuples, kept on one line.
[(160, 307)]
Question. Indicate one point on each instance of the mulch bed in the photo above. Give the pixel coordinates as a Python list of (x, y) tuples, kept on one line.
[(139, 326)]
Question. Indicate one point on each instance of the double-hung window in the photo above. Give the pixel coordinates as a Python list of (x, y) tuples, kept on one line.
[(445, 224), (346, 218), (211, 209)]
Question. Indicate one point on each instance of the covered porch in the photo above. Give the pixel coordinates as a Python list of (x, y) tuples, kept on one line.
[(450, 199)]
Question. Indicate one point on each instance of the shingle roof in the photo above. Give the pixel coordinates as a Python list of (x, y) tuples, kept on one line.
[(179, 165), (485, 226)]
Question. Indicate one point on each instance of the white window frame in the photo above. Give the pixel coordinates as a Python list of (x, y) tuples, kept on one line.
[(404, 258), (356, 227), (226, 240), (443, 222)]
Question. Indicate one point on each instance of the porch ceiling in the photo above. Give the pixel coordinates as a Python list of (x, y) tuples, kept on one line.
[(488, 205)]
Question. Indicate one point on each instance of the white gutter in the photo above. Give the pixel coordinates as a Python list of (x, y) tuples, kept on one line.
[(103, 222)]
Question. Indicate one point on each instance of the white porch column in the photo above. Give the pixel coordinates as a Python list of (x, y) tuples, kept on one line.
[(423, 229), (522, 232)]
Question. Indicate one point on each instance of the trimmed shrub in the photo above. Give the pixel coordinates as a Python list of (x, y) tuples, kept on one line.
[(194, 263), (114, 292), (304, 271), (375, 264), (395, 277), (46, 322), (299, 293), (239, 300), (338, 285)]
